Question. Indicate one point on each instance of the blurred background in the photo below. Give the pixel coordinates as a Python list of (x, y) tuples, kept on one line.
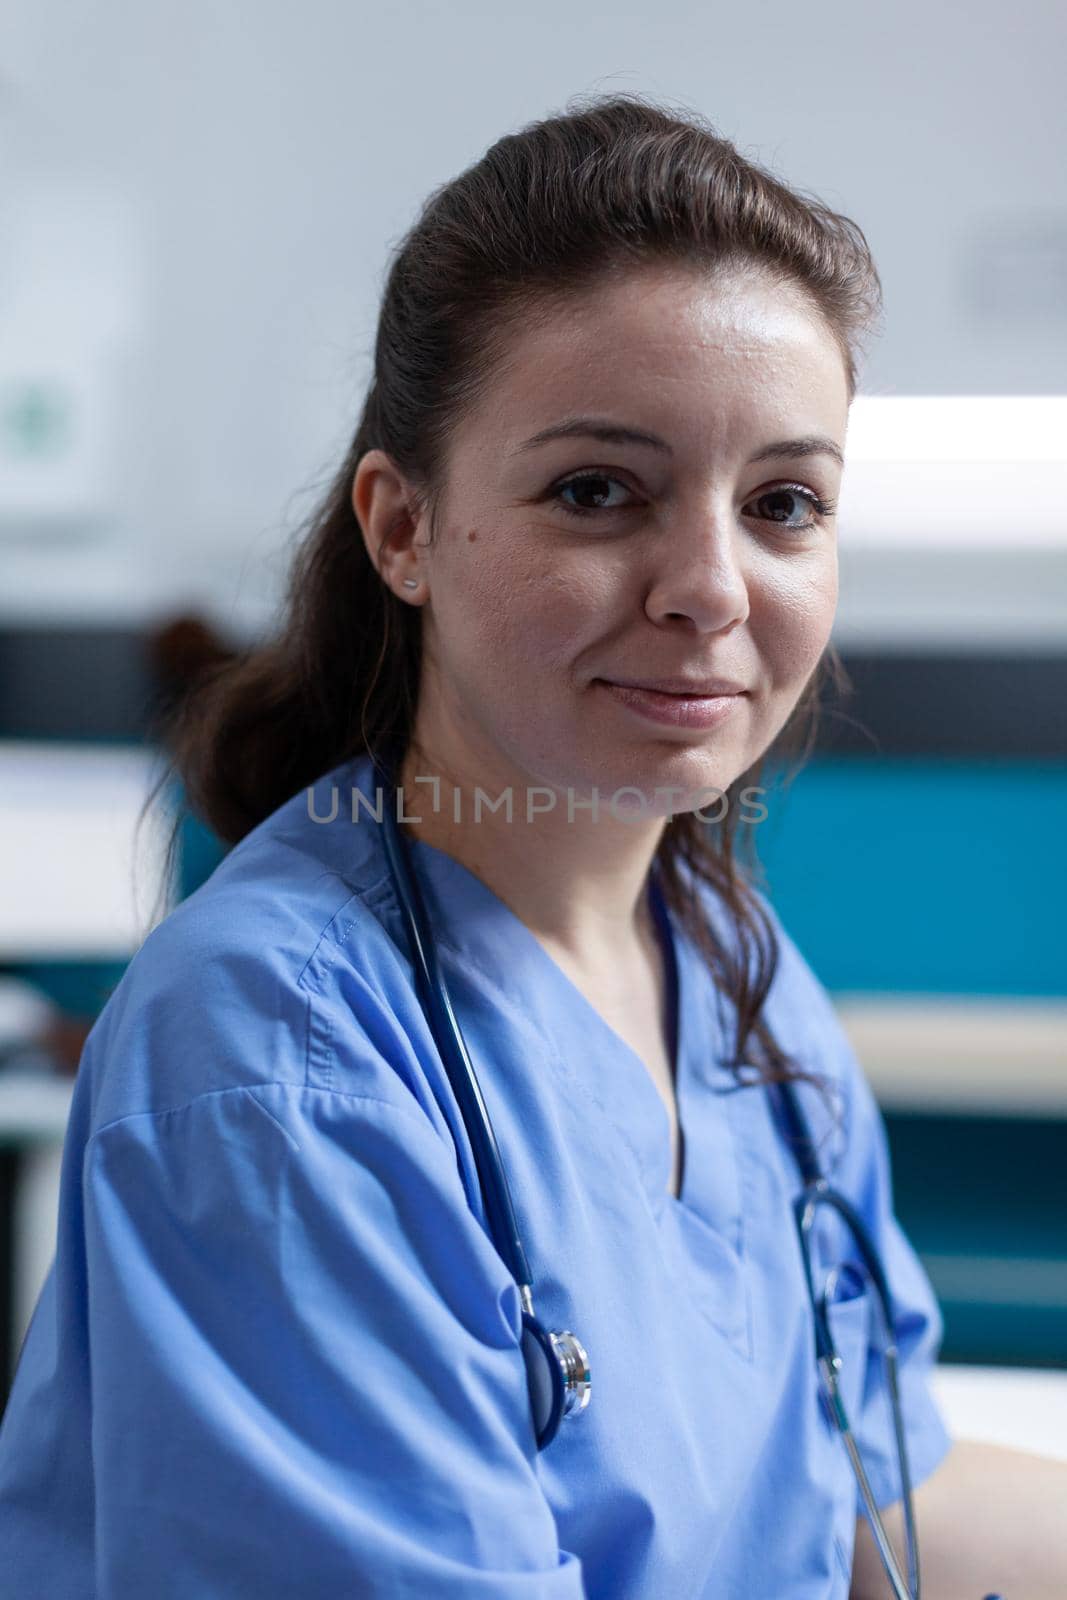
[(196, 208)]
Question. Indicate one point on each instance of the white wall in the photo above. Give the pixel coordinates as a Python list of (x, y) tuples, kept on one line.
[(232, 175)]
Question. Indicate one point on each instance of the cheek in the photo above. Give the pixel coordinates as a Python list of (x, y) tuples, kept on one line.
[(522, 604), (792, 613)]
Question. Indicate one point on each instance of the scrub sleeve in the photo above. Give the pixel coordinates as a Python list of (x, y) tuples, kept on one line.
[(305, 1360)]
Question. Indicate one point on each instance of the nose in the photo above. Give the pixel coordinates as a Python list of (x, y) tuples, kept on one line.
[(699, 573)]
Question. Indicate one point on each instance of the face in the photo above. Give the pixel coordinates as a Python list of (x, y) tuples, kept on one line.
[(564, 566)]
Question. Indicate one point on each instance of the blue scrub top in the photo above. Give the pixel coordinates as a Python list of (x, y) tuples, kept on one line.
[(277, 1354)]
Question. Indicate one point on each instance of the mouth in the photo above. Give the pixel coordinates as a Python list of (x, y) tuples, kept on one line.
[(687, 708), (687, 688)]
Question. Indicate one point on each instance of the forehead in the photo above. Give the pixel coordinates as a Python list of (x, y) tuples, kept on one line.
[(727, 354)]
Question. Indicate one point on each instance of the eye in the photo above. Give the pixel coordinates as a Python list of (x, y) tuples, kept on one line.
[(778, 499), (590, 484), (780, 502)]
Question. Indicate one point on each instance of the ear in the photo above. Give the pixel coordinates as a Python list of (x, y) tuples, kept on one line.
[(382, 500)]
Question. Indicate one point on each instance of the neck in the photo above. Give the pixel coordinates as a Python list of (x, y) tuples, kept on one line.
[(578, 882)]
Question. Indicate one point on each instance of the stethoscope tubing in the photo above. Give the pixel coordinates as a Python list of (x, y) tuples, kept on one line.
[(448, 1036), (562, 1353)]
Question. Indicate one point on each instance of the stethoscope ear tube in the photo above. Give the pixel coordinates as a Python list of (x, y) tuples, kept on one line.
[(557, 1367)]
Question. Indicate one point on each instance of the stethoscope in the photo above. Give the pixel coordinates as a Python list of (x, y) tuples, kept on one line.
[(557, 1366)]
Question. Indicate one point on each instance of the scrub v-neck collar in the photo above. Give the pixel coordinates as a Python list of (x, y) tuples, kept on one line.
[(483, 932), (489, 930)]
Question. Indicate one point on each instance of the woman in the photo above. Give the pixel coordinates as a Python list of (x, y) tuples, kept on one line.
[(279, 1353)]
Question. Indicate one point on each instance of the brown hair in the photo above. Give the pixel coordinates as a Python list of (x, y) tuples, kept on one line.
[(617, 181)]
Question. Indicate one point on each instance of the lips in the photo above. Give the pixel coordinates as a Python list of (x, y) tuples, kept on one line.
[(687, 688), (690, 708)]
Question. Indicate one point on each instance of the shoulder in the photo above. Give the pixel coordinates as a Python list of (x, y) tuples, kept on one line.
[(278, 969), (800, 1012), (797, 1000)]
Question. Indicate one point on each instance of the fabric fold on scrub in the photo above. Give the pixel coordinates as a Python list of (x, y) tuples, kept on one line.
[(277, 1352)]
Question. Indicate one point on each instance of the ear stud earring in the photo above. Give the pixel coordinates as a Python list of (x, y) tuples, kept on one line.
[(411, 583)]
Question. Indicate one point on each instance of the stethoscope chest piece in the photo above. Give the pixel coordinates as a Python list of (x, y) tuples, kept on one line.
[(557, 1376)]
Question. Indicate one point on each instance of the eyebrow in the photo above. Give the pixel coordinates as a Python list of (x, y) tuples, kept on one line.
[(613, 433)]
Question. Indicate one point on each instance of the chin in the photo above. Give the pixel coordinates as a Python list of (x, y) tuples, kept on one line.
[(691, 767)]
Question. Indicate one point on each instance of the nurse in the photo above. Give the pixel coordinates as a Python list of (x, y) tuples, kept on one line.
[(580, 561)]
